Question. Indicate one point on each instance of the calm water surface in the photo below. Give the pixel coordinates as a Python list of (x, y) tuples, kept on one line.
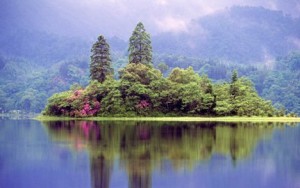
[(144, 154)]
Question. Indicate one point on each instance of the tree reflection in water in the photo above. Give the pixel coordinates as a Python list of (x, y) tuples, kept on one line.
[(142, 147), (101, 169)]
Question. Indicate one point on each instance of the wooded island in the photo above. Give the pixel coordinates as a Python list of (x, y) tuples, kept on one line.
[(142, 90)]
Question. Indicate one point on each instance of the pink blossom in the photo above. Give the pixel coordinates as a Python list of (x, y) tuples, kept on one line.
[(83, 113), (85, 127), (96, 105), (86, 107), (143, 104), (78, 92)]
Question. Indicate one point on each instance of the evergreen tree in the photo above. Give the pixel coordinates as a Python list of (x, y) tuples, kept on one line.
[(100, 67), (234, 76), (140, 49), (233, 86)]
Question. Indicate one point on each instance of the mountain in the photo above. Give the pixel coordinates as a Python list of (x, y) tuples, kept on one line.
[(239, 34), (255, 41)]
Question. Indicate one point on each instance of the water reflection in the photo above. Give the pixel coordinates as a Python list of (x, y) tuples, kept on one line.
[(142, 147), (101, 169)]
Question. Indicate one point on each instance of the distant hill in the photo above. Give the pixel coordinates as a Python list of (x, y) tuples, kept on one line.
[(46, 49), (36, 64), (240, 34)]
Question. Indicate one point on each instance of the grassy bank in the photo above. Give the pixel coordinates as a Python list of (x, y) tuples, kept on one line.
[(179, 119)]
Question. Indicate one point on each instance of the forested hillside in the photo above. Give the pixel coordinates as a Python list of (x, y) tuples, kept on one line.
[(239, 34), (35, 64)]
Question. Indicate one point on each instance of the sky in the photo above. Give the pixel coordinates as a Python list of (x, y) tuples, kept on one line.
[(87, 18)]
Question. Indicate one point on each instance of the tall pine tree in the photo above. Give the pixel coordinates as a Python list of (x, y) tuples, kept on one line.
[(233, 85), (100, 67), (140, 49)]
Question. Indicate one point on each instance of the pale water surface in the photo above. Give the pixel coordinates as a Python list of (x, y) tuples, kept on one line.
[(148, 154)]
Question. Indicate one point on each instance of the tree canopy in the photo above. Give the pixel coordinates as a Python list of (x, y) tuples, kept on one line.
[(143, 91)]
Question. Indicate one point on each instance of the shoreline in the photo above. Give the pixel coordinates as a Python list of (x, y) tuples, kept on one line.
[(178, 119)]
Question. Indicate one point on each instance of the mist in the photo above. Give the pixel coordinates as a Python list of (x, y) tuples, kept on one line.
[(89, 18)]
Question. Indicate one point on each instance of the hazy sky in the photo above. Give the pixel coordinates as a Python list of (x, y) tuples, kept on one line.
[(118, 17)]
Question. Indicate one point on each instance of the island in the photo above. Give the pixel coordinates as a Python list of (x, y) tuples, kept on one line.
[(142, 91)]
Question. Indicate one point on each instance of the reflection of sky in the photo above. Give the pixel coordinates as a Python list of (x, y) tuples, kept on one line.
[(29, 158), (250, 174)]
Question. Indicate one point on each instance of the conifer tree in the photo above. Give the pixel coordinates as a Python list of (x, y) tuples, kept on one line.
[(140, 49), (234, 76), (100, 67), (233, 85)]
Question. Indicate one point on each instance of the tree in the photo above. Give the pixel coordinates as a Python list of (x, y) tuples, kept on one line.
[(233, 85), (163, 67), (183, 76), (139, 73), (140, 49), (135, 86), (100, 67)]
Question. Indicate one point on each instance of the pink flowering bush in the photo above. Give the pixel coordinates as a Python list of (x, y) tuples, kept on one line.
[(142, 107), (143, 104), (89, 108), (74, 104), (78, 92)]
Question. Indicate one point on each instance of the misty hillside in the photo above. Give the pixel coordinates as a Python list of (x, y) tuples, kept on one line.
[(256, 41), (41, 47), (240, 34)]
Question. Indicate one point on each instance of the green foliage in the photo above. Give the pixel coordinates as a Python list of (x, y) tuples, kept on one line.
[(100, 67), (244, 101), (234, 89), (163, 67), (139, 73), (140, 49), (224, 106), (183, 76), (234, 76), (57, 103), (143, 91), (193, 94), (135, 86), (282, 85)]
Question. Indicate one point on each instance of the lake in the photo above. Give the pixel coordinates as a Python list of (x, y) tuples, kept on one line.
[(148, 154)]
